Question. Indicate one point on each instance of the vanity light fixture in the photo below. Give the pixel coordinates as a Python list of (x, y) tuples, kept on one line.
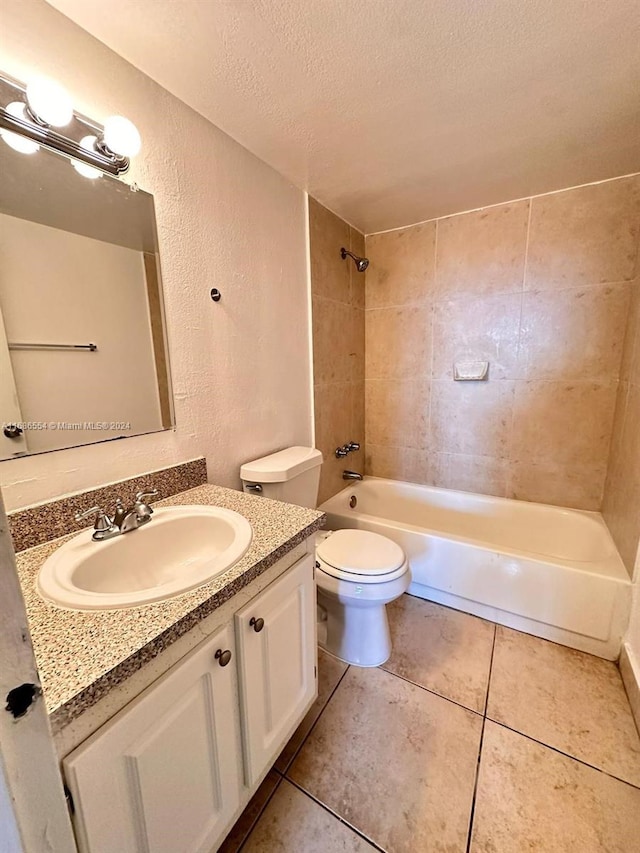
[(49, 103), (33, 114)]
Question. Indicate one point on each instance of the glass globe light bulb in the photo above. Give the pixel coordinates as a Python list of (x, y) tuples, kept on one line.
[(50, 101), (84, 169), (121, 136), (14, 140)]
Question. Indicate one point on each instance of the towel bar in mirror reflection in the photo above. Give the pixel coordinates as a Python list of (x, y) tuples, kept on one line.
[(79, 261)]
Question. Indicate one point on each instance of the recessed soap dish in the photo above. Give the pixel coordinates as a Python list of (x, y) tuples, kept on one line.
[(470, 371)]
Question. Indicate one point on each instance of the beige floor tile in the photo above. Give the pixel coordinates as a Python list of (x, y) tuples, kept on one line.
[(567, 699), (441, 649), (293, 823), (395, 761), (531, 798), (330, 671), (243, 826)]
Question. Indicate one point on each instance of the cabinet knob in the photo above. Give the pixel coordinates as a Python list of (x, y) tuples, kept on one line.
[(223, 658), (256, 624), (12, 431)]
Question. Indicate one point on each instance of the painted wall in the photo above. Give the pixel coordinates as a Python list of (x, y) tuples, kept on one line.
[(240, 368), (58, 287), (338, 344), (541, 289)]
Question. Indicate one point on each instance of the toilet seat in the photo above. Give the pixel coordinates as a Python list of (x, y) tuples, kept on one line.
[(361, 557)]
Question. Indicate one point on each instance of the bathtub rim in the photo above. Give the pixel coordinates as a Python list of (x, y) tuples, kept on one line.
[(612, 567)]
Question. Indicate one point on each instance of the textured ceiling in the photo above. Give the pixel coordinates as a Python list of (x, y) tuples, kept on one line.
[(394, 111)]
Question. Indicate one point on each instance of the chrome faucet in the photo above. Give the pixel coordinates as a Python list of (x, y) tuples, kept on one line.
[(123, 520), (351, 475)]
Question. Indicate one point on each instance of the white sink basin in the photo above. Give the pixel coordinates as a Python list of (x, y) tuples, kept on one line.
[(179, 549)]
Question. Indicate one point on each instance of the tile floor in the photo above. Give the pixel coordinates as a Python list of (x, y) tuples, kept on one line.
[(472, 738)]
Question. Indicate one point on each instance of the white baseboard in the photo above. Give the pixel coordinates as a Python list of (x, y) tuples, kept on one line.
[(630, 671)]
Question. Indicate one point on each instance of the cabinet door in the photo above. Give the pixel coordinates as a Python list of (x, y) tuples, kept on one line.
[(276, 639), (164, 776)]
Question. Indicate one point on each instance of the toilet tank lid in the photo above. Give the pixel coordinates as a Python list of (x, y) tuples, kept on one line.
[(281, 466)]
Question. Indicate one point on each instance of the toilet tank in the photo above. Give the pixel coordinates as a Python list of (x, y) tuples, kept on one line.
[(291, 475)]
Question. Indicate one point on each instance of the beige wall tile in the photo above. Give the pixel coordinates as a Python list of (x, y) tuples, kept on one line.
[(484, 329), (472, 417), (358, 420), (397, 412), (532, 798), (355, 333), (630, 362), (587, 235), (417, 466), (563, 422), (333, 341), (330, 275), (402, 266), (387, 462), (483, 475), (398, 463), (338, 344), (574, 334), (482, 252), (621, 504), (398, 342), (333, 410), (560, 484), (358, 279)]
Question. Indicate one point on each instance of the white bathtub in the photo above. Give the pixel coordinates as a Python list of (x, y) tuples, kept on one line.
[(545, 570)]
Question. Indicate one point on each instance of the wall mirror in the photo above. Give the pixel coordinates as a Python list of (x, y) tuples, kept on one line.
[(83, 354)]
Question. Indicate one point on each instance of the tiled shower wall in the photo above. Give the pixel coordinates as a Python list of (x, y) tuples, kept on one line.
[(541, 289), (338, 292), (621, 505)]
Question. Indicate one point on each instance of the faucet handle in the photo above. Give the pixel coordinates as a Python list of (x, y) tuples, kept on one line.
[(142, 496), (102, 521), (142, 508), (353, 445)]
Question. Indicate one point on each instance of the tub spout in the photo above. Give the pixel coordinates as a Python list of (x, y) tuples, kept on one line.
[(351, 475)]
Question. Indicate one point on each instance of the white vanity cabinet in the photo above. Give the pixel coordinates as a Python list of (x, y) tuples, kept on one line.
[(170, 772), (163, 775), (276, 641)]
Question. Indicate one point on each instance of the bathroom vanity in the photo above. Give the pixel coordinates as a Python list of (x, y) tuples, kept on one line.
[(167, 717)]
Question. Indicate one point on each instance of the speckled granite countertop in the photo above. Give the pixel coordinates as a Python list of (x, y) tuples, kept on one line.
[(82, 654)]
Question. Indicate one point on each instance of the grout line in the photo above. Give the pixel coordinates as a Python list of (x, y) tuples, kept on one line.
[(555, 749), (484, 724), (315, 722), (493, 650), (502, 204), (429, 690), (475, 787), (334, 814), (282, 775), (254, 822), (473, 296)]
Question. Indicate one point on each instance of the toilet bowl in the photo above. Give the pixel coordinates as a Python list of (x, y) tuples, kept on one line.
[(357, 573)]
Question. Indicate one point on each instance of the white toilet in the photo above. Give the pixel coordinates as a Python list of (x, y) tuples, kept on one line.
[(357, 573)]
